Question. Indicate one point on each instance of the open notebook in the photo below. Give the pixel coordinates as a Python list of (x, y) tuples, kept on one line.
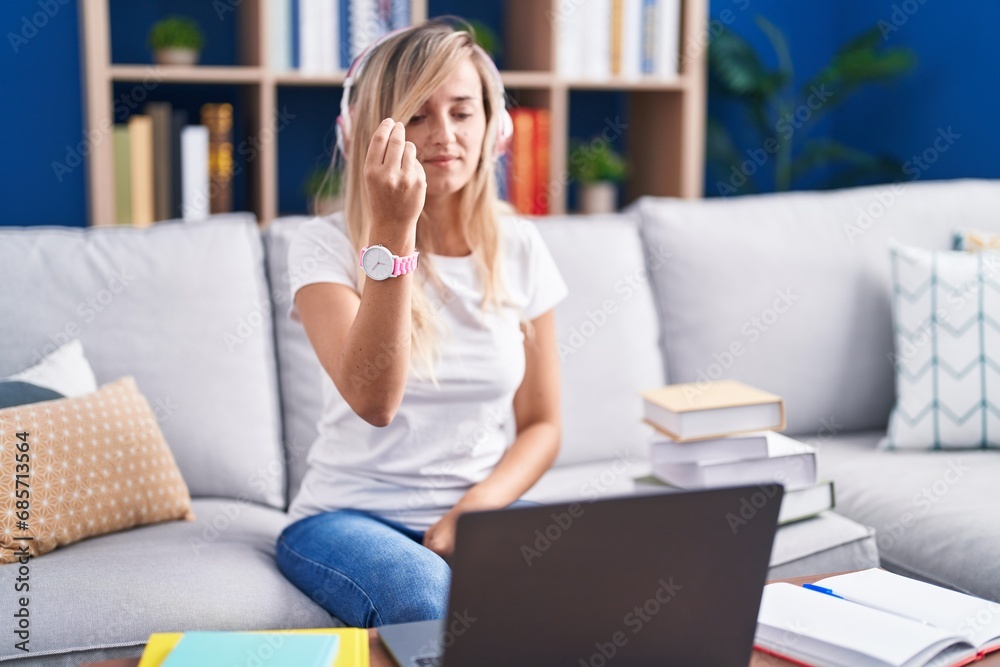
[(876, 618)]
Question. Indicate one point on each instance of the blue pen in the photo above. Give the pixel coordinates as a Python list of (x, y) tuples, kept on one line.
[(820, 589)]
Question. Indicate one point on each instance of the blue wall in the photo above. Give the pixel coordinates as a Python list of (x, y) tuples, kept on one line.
[(41, 110)]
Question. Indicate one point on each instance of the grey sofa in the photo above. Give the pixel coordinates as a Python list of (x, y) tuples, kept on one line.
[(658, 293)]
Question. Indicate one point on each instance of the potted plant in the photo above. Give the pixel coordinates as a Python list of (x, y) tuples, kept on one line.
[(597, 168), (176, 40), (323, 190)]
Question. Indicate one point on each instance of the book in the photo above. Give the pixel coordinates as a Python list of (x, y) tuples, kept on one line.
[(279, 34), (751, 445), (631, 64), (796, 504), (522, 163), (161, 113), (788, 462), (178, 120), (212, 649), (697, 410), (875, 618), (668, 38), (140, 148), (353, 650), (194, 172), (123, 189), (540, 155), (218, 118)]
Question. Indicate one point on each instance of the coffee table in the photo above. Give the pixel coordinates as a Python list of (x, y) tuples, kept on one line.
[(379, 658)]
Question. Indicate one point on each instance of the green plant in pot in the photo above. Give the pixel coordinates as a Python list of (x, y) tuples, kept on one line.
[(176, 40), (597, 169), (323, 191)]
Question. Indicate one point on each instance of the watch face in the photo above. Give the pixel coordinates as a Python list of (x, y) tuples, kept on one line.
[(377, 262)]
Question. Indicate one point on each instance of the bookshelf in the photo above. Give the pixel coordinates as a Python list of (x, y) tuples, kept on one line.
[(666, 118)]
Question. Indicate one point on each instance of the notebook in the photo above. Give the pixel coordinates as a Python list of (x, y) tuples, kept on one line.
[(700, 410), (352, 650), (212, 649), (878, 619)]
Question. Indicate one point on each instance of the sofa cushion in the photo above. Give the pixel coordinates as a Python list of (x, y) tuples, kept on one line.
[(92, 464), (608, 335), (934, 512), (946, 306), (65, 371), (217, 573), (299, 372), (790, 292), (181, 307)]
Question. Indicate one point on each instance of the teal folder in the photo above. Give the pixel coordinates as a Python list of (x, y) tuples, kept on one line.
[(266, 649)]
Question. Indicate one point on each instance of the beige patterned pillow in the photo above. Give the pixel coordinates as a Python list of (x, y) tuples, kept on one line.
[(78, 467)]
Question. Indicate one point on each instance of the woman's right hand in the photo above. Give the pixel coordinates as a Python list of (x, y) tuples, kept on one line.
[(394, 178)]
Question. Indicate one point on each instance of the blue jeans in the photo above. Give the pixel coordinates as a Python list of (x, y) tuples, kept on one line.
[(365, 569)]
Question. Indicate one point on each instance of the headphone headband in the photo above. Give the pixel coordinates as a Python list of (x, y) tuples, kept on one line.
[(505, 125)]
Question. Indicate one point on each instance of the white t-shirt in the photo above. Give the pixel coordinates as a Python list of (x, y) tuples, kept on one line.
[(443, 439)]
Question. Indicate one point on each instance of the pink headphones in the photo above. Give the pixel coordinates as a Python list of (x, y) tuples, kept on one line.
[(505, 126)]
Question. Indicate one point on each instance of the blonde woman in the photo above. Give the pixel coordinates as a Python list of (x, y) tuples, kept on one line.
[(430, 308)]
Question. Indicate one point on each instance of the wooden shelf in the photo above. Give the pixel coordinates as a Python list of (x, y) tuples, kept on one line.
[(681, 83), (179, 74), (300, 79), (668, 114)]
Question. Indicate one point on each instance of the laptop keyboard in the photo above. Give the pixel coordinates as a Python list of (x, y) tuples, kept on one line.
[(429, 661)]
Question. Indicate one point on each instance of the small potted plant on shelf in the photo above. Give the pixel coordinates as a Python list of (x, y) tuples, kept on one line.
[(176, 40), (323, 190), (597, 169)]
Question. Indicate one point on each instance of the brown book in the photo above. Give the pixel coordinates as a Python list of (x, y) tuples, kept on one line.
[(161, 113), (123, 174), (140, 142), (522, 160), (540, 200), (698, 410), (218, 118)]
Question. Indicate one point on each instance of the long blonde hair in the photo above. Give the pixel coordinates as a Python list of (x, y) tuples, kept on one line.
[(400, 74)]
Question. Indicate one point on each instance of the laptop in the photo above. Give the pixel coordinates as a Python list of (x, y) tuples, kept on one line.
[(668, 579)]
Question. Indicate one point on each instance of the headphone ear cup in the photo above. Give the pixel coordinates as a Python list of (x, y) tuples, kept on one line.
[(342, 130), (505, 132)]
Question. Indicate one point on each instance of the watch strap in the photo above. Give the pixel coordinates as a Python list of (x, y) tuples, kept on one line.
[(400, 265)]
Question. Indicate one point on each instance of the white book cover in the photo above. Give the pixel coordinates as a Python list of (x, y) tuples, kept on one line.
[(596, 33), (310, 36), (742, 446), (279, 14), (668, 38), (631, 39), (569, 49), (194, 173), (788, 462), (364, 25), (329, 36)]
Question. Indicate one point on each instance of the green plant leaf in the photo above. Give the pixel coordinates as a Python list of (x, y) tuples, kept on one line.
[(177, 32), (596, 161), (860, 62), (822, 152), (738, 69), (721, 154)]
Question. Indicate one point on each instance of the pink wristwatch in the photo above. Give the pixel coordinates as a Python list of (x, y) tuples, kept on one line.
[(380, 264)]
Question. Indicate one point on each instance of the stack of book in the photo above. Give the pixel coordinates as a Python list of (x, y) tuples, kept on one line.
[(313, 647), (631, 39), (324, 36), (725, 433), (165, 168), (523, 174)]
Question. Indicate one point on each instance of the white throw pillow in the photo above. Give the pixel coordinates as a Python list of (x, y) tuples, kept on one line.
[(946, 315), (66, 370)]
